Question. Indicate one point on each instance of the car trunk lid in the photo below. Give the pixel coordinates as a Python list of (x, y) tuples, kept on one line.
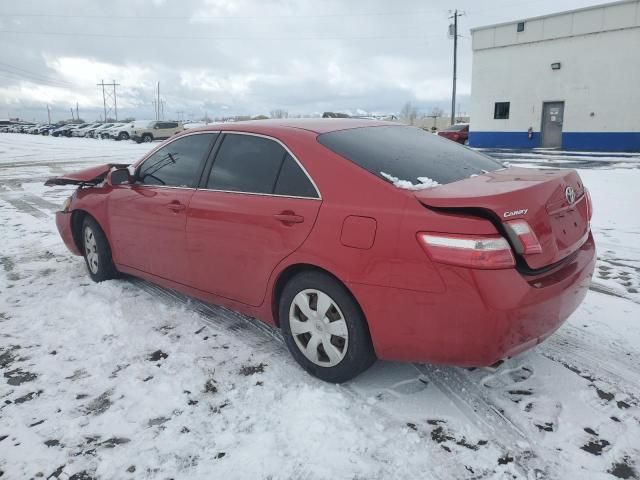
[(542, 198), (87, 176)]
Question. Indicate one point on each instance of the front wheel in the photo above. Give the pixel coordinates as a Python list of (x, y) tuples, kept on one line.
[(97, 253), (146, 138), (324, 328), (123, 136)]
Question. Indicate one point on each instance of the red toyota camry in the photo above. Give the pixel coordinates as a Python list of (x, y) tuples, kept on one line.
[(359, 239)]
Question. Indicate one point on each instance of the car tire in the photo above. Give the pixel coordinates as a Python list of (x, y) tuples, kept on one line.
[(147, 137), (122, 136), (96, 251), (466, 142), (343, 347)]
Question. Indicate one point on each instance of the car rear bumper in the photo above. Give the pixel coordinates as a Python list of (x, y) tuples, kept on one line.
[(482, 317), (63, 222)]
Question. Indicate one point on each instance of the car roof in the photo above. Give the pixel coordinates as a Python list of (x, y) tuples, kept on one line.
[(316, 125)]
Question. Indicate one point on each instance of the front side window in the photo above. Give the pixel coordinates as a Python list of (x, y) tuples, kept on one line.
[(501, 110), (179, 163)]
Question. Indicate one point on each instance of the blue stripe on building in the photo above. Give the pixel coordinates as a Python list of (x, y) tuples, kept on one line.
[(590, 141)]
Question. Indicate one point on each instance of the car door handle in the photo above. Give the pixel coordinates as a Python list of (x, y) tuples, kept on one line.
[(288, 218), (176, 206)]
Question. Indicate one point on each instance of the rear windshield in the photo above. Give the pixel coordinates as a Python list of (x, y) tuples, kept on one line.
[(408, 154)]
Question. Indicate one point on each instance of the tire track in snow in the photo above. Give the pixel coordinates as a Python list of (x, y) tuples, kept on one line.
[(270, 340), (475, 404)]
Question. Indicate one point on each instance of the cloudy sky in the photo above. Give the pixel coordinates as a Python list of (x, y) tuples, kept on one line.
[(230, 57)]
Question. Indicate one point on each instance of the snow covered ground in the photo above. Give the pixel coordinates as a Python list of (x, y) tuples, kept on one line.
[(127, 380)]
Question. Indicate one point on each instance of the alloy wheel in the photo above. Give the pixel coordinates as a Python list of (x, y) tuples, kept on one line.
[(318, 327)]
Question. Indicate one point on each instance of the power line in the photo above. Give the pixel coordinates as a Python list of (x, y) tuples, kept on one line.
[(32, 75), (223, 17), (242, 38)]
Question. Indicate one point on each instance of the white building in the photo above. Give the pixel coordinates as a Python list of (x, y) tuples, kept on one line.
[(569, 80)]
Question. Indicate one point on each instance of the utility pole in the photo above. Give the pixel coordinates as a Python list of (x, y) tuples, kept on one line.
[(453, 30), (49, 114), (77, 113), (72, 117), (115, 101), (158, 104), (109, 98)]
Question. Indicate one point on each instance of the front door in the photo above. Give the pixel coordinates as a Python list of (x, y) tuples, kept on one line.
[(552, 118), (257, 206), (148, 219)]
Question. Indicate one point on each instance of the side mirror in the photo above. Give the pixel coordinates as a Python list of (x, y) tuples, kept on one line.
[(155, 127), (120, 176)]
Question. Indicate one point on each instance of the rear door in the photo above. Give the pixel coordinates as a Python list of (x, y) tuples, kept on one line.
[(256, 206), (148, 218)]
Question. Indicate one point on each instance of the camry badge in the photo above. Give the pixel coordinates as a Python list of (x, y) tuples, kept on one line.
[(570, 195), (513, 213)]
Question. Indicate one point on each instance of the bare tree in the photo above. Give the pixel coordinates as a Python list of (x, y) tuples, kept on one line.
[(409, 113), (279, 113)]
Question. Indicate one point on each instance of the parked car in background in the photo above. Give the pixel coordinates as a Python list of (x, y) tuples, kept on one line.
[(97, 132), (82, 131), (359, 239), (458, 133), (125, 131), (65, 130), (46, 130), (115, 131), (155, 130)]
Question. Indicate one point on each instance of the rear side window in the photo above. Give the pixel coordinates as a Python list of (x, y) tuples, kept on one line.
[(179, 163), (293, 182), (407, 153)]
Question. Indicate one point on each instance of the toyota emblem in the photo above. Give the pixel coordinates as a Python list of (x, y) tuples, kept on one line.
[(570, 195)]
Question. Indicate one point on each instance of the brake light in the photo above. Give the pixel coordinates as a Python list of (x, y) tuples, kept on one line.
[(526, 235), (468, 250), (589, 204)]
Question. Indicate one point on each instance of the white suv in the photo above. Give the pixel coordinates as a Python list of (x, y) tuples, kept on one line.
[(156, 130)]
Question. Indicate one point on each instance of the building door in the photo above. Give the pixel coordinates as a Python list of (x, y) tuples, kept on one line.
[(552, 117)]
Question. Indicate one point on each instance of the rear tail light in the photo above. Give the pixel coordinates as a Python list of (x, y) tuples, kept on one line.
[(467, 250), (589, 204), (525, 234)]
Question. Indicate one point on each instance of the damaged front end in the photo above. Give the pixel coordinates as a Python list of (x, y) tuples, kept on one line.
[(87, 177)]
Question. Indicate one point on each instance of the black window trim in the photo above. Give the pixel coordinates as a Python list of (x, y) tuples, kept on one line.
[(214, 153), (203, 162)]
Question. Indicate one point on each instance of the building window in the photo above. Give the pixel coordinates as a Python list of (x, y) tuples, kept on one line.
[(520, 27), (501, 110)]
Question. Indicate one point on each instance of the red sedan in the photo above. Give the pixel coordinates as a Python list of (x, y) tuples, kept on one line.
[(458, 133), (359, 239)]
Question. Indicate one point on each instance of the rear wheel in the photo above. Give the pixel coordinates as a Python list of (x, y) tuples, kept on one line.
[(324, 328), (97, 253)]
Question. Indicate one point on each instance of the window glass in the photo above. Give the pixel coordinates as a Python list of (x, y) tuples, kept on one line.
[(501, 110), (246, 163), (177, 164), (293, 181), (407, 153)]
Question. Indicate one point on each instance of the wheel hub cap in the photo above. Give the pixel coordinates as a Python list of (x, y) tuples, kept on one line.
[(91, 250), (318, 327)]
